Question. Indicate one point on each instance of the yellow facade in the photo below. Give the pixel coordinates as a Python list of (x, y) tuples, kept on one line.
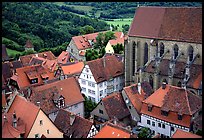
[(109, 48)]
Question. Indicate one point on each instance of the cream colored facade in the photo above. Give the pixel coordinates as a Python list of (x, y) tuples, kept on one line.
[(109, 48), (44, 126)]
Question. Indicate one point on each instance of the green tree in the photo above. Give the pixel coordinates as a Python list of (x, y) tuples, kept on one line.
[(119, 48), (86, 30), (91, 54), (103, 38), (27, 52), (89, 105), (144, 133)]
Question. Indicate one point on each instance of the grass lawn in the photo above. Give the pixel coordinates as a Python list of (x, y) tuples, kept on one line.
[(120, 22), (12, 52)]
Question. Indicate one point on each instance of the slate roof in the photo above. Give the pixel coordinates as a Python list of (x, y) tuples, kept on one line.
[(168, 23), (115, 106), (4, 53), (79, 129), (174, 99), (105, 68), (21, 107), (135, 97)]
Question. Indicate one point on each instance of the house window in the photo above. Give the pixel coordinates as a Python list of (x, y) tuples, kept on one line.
[(179, 117), (172, 128), (78, 114), (101, 84), (71, 50), (76, 106), (83, 89), (153, 123), (93, 85), (100, 111), (159, 125), (101, 92), (83, 82), (36, 135), (93, 130), (93, 92), (163, 126), (90, 84), (89, 91), (41, 122), (48, 131), (149, 108), (105, 91), (116, 87), (148, 122), (104, 83), (130, 107)]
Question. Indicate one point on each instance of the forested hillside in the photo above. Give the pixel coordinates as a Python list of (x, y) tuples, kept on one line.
[(46, 25)]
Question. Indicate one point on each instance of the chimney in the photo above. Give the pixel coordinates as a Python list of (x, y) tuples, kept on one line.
[(104, 62), (72, 118), (14, 120), (139, 87), (163, 85)]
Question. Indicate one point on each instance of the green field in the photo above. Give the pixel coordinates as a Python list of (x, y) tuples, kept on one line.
[(120, 22), (12, 52)]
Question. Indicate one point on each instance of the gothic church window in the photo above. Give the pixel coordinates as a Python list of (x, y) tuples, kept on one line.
[(190, 53), (161, 49), (175, 51), (133, 58), (151, 81), (145, 53)]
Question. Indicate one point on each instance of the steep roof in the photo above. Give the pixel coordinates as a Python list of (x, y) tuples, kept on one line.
[(115, 106), (25, 110), (79, 129), (66, 58), (183, 134), (117, 41), (135, 97), (68, 88), (23, 74), (105, 68), (4, 53), (168, 23), (112, 131), (175, 100), (26, 58), (73, 68)]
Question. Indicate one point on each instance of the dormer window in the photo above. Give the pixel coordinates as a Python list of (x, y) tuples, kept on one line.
[(149, 107), (33, 81), (179, 117), (164, 113)]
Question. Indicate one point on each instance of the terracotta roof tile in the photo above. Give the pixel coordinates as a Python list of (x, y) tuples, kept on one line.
[(110, 131), (134, 96), (115, 106), (16, 64), (21, 107), (117, 41), (82, 42), (105, 68), (159, 23), (72, 96), (36, 71), (26, 58), (175, 100), (120, 57), (73, 68), (79, 129), (183, 134), (66, 58)]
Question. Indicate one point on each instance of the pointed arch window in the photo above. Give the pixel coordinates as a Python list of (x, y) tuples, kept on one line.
[(133, 57), (151, 81), (161, 51), (176, 49), (145, 53), (190, 53)]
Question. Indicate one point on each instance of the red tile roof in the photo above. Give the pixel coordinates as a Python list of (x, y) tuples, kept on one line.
[(68, 88), (115, 106), (26, 58), (79, 129), (82, 42), (110, 131), (135, 97), (21, 107), (24, 73), (160, 23), (175, 100), (66, 58), (73, 68), (183, 134), (105, 68)]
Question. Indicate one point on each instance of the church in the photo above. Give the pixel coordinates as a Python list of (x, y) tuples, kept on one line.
[(164, 44)]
